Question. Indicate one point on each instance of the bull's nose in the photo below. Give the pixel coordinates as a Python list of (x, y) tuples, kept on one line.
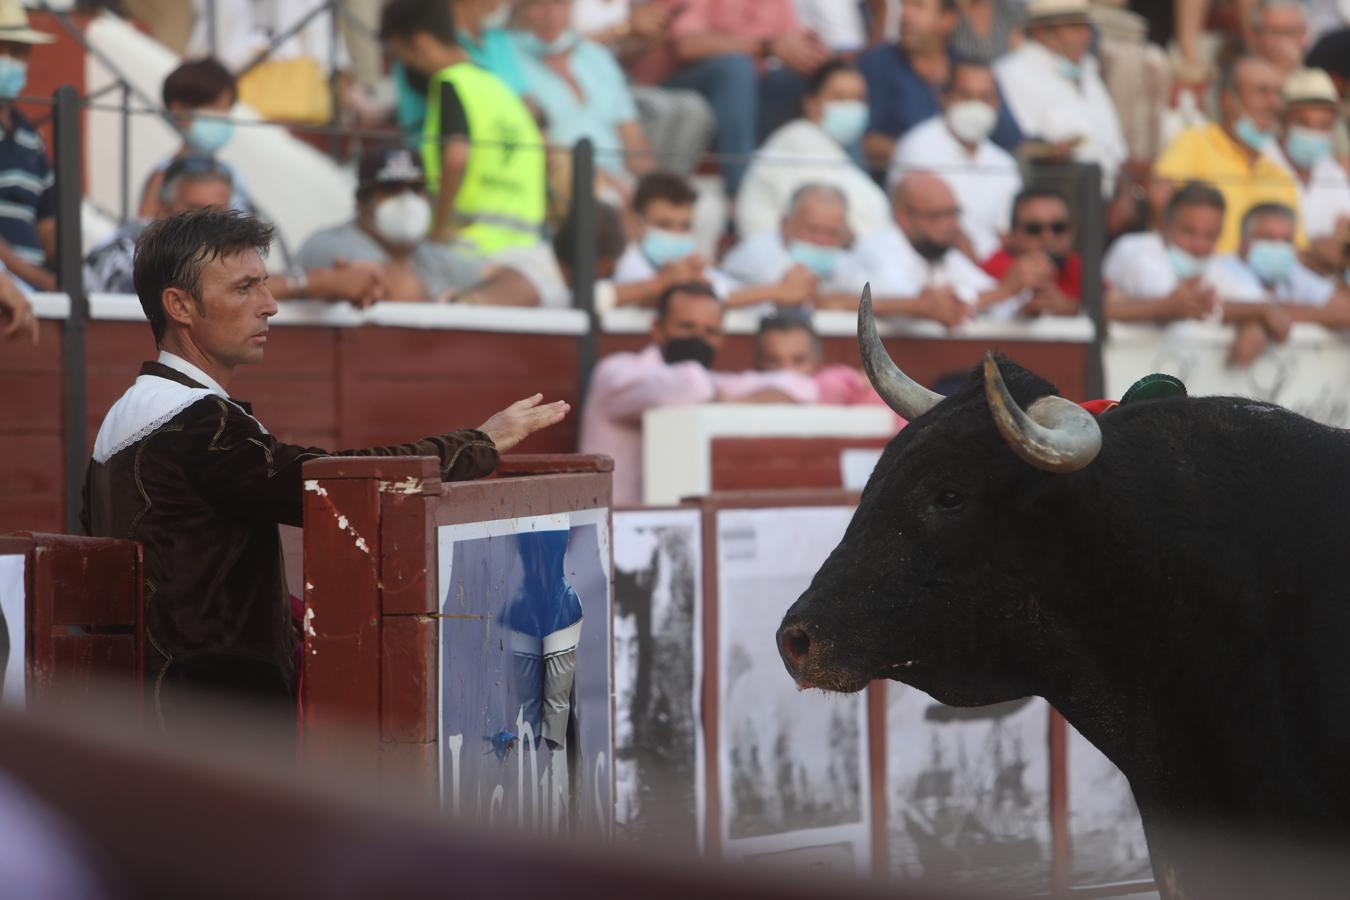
[(794, 645)]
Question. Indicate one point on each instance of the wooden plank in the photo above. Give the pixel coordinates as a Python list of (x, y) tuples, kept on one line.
[(409, 693), (32, 464), (408, 549), (29, 511), (413, 353), (740, 463), (32, 403)]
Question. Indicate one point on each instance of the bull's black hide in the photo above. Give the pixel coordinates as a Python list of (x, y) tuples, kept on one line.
[(1183, 599)]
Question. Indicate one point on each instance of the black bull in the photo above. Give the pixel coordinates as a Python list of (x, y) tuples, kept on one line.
[(1172, 577)]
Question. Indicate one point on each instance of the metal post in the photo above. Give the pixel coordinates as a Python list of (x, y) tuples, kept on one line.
[(69, 142), (582, 223), (1092, 235), (212, 35), (335, 143), (126, 152)]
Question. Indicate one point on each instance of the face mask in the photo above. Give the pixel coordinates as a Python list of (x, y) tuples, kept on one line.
[(820, 260), (931, 251), (1184, 265), (1250, 135), (208, 134), (498, 18), (403, 220), (13, 77), (539, 49), (1068, 68), (1306, 146), (1272, 261), (689, 349), (663, 247), (971, 120), (845, 120)]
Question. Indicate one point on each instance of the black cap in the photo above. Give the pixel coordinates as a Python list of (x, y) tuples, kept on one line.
[(389, 165)]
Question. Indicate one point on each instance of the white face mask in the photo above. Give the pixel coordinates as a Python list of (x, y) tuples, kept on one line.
[(971, 120), (403, 219)]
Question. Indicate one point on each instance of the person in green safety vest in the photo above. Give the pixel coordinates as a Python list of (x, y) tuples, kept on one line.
[(482, 149)]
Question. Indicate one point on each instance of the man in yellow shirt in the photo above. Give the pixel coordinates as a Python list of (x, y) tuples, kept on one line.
[(1228, 153)]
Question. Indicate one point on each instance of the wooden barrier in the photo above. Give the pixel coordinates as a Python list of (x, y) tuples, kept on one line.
[(758, 464), (414, 592), (81, 630)]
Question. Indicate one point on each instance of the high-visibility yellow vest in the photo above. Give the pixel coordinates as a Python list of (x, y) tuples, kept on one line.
[(501, 202)]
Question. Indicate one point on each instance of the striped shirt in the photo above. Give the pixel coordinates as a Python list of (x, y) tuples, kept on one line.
[(27, 188)]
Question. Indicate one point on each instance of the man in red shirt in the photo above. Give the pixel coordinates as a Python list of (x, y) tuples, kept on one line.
[(1041, 241)]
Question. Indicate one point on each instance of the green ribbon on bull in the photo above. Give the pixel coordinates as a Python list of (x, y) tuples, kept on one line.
[(1154, 387)]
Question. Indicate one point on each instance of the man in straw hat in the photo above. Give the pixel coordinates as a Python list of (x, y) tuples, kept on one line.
[(1054, 86), (1305, 151), (28, 210)]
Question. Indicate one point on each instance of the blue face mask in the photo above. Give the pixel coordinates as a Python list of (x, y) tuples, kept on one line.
[(822, 261), (1306, 146), (1272, 261), (664, 247), (208, 133), (1250, 135), (844, 120), (540, 49), (1184, 265), (1068, 68), (13, 77)]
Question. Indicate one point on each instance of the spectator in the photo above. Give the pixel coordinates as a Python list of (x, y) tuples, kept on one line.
[(839, 25), (1305, 151), (815, 148), (986, 30), (1230, 153), (1331, 53), (1281, 34), (665, 253), (806, 260), (547, 271), (787, 342), (393, 216), (17, 318), (1167, 276), (198, 95), (582, 92), (903, 81), (197, 182), (483, 153), (914, 266), (1054, 85), (27, 184), (678, 124), (728, 51), (956, 145), (674, 370), (1040, 239), (1266, 270)]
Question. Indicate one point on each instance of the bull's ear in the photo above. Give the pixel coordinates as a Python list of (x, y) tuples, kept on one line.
[(1053, 434), (903, 394)]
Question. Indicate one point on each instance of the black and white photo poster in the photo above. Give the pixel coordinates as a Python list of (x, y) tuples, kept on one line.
[(12, 630), (1108, 835), (658, 676), (794, 777)]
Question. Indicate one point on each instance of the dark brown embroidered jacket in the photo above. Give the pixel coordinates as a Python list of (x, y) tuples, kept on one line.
[(203, 492)]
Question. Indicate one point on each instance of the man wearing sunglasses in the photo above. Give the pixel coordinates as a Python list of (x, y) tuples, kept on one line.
[(1041, 241)]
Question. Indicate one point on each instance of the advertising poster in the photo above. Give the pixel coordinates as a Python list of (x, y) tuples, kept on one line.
[(658, 677), (12, 628), (793, 767), (968, 792), (525, 672)]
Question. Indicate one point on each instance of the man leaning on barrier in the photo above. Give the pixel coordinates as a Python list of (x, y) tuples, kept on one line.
[(190, 473)]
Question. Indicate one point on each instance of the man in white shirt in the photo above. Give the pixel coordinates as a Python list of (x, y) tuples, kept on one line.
[(1305, 151), (1266, 269), (1055, 89), (810, 245), (956, 145), (914, 266), (814, 148)]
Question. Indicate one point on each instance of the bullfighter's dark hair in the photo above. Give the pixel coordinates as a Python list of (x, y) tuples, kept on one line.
[(198, 82), (667, 186), (1037, 192), (1195, 193), (408, 18), (172, 253), (694, 288), (786, 320), (1266, 209), (822, 77)]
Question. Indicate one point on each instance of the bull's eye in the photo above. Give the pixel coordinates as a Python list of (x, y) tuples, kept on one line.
[(949, 499)]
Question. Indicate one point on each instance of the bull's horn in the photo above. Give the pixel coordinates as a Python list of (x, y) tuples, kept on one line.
[(1054, 434), (903, 394)]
